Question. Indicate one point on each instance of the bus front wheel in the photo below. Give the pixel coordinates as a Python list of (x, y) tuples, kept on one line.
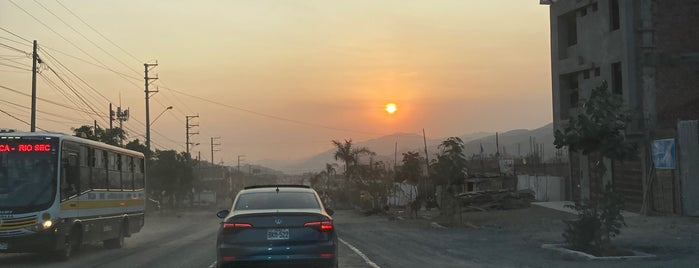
[(72, 244)]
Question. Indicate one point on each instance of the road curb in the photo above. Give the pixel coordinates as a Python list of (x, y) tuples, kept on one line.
[(560, 248)]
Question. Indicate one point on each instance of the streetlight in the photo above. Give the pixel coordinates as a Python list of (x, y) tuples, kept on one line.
[(161, 113)]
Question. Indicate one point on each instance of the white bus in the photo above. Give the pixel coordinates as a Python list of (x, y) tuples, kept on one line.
[(59, 191)]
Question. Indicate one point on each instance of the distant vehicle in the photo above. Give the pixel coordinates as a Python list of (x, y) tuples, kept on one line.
[(277, 225), (58, 191)]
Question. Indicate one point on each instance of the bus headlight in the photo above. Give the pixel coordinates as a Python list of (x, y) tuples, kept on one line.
[(48, 223)]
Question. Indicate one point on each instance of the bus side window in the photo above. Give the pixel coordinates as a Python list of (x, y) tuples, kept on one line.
[(114, 176), (127, 172), (99, 170), (70, 175), (85, 159), (139, 178)]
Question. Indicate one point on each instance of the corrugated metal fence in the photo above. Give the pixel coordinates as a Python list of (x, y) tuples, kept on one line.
[(688, 141)]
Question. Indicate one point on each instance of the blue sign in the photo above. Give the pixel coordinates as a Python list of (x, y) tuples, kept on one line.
[(663, 153)]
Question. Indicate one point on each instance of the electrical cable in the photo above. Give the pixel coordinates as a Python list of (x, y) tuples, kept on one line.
[(18, 119), (271, 116), (85, 37), (105, 38), (8, 31)]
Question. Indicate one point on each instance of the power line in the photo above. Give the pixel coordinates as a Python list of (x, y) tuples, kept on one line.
[(97, 65), (85, 37), (80, 97), (14, 41), (98, 32), (104, 67), (65, 94), (40, 111), (270, 116), (177, 99), (8, 31), (16, 67), (16, 62), (15, 49), (47, 101), (76, 76), (61, 36), (19, 119)]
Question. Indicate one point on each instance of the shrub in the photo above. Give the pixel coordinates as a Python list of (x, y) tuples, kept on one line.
[(597, 223)]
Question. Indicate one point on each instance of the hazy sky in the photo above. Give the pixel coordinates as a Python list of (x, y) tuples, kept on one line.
[(280, 79)]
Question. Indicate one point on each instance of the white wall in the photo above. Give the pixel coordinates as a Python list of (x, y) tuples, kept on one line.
[(546, 188)]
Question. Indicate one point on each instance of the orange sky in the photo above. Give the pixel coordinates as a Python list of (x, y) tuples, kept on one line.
[(292, 74)]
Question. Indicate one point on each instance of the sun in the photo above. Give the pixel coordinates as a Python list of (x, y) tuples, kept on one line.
[(391, 108)]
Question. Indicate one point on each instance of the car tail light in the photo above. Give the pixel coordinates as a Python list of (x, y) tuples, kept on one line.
[(326, 255), (234, 227), (228, 258), (323, 226)]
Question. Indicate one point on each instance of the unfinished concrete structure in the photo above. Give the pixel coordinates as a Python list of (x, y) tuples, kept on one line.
[(648, 52)]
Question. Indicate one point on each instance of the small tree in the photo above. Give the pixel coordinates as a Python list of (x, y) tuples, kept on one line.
[(450, 172), (411, 170), (599, 128), (596, 224)]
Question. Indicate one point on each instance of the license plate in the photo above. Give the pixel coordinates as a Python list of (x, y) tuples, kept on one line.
[(277, 234), (3, 246)]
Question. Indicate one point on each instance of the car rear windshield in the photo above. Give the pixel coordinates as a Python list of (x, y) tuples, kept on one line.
[(274, 200)]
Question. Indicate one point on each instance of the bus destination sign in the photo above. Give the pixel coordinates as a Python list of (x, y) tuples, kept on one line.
[(25, 147)]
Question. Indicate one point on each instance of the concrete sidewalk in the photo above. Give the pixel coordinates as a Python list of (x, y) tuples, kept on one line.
[(561, 206)]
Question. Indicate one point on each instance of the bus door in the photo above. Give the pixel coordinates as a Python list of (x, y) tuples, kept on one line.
[(69, 184)]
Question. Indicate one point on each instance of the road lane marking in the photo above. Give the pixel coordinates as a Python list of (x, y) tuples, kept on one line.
[(366, 259), (213, 265)]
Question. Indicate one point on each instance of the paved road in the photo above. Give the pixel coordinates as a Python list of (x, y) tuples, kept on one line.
[(165, 241), (375, 241)]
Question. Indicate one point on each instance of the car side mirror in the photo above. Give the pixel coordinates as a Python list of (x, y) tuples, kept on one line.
[(222, 214), (330, 211)]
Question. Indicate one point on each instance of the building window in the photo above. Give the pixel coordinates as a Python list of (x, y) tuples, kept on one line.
[(567, 33), (586, 74), (574, 98), (597, 71), (616, 78), (594, 7), (613, 14), (572, 29), (570, 96)]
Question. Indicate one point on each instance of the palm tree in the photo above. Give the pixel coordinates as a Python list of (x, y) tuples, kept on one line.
[(344, 153)]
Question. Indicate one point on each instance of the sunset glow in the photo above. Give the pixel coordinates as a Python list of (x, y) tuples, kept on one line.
[(299, 73)]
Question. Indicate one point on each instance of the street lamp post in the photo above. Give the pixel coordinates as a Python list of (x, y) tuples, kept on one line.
[(159, 115)]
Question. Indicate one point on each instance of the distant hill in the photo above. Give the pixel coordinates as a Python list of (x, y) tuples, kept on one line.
[(513, 142)]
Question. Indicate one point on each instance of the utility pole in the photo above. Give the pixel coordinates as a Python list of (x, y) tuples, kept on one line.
[(214, 150), (497, 145), (188, 126), (111, 116), (122, 115), (239, 156), (427, 162), (35, 58), (148, 80)]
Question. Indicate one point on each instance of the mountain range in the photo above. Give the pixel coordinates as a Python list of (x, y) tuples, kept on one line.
[(519, 142)]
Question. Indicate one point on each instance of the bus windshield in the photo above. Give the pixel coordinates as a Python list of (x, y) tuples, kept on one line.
[(28, 168)]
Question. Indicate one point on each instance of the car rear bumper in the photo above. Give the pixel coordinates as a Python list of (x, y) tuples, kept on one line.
[(323, 254)]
